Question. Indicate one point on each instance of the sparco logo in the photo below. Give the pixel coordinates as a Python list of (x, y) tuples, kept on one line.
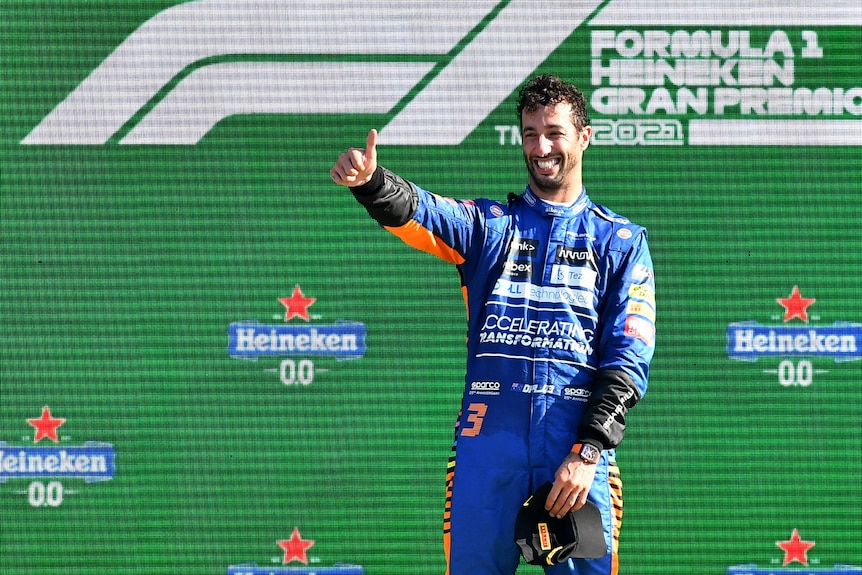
[(485, 386), (203, 51), (576, 393)]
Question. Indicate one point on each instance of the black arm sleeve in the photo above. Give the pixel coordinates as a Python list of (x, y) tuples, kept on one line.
[(604, 421), (388, 198)]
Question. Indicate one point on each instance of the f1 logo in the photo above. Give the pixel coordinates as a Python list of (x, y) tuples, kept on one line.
[(229, 57)]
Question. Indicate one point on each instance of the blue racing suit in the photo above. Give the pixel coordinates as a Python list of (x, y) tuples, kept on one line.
[(561, 328)]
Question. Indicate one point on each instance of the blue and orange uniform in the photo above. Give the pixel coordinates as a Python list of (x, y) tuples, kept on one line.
[(561, 329)]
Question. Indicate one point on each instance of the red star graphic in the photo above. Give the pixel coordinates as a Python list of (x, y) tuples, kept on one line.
[(795, 305), (795, 549), (297, 304), (295, 547), (46, 426)]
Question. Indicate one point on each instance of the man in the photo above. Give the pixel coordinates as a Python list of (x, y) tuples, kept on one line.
[(561, 325)]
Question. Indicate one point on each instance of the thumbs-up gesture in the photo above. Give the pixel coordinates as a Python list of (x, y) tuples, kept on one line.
[(355, 166)]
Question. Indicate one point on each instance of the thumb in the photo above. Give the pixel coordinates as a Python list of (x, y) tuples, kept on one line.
[(371, 147)]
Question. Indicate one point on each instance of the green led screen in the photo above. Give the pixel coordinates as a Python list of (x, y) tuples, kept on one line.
[(168, 216)]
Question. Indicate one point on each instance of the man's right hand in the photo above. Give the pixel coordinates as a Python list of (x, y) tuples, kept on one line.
[(355, 166)]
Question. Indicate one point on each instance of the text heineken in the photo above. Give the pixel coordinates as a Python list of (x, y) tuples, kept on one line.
[(748, 341), (346, 340), (92, 462)]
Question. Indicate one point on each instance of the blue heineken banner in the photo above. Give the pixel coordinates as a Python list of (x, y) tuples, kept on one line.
[(751, 341), (93, 462), (253, 340)]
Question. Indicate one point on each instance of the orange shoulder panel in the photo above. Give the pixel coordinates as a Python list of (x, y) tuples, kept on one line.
[(422, 239)]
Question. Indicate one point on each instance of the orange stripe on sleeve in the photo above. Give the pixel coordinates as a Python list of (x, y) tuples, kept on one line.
[(616, 485), (414, 235)]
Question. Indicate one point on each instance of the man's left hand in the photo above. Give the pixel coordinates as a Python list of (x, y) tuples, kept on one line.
[(572, 483)]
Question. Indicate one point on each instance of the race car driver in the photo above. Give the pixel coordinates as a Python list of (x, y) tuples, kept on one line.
[(561, 329)]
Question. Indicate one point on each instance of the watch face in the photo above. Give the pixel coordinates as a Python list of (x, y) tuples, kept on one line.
[(589, 453)]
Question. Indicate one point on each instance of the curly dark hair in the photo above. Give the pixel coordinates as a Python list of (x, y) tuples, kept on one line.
[(548, 90)]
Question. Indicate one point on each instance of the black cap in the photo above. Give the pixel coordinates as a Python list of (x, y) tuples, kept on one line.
[(546, 540)]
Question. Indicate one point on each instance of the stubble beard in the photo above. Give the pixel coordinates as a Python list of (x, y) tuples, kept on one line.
[(548, 184)]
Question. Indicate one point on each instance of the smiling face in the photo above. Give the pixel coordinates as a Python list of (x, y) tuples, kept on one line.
[(553, 149)]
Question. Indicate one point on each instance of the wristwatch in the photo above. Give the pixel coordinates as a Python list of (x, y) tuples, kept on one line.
[(588, 453)]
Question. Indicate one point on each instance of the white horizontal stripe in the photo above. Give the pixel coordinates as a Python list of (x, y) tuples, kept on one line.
[(215, 92), (730, 13), (775, 133), (540, 359)]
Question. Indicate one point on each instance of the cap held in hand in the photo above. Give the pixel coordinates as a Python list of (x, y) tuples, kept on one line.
[(546, 540)]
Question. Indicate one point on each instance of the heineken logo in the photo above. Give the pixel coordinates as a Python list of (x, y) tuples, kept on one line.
[(796, 340), (49, 466)]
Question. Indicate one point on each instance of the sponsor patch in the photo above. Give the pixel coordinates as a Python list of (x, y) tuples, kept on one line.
[(544, 537), (523, 248), (571, 276), (575, 257), (543, 294), (641, 329), (641, 308), (642, 274), (576, 394), (518, 270), (485, 388), (643, 292)]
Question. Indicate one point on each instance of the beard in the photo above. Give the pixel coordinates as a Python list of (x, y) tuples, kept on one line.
[(549, 184)]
